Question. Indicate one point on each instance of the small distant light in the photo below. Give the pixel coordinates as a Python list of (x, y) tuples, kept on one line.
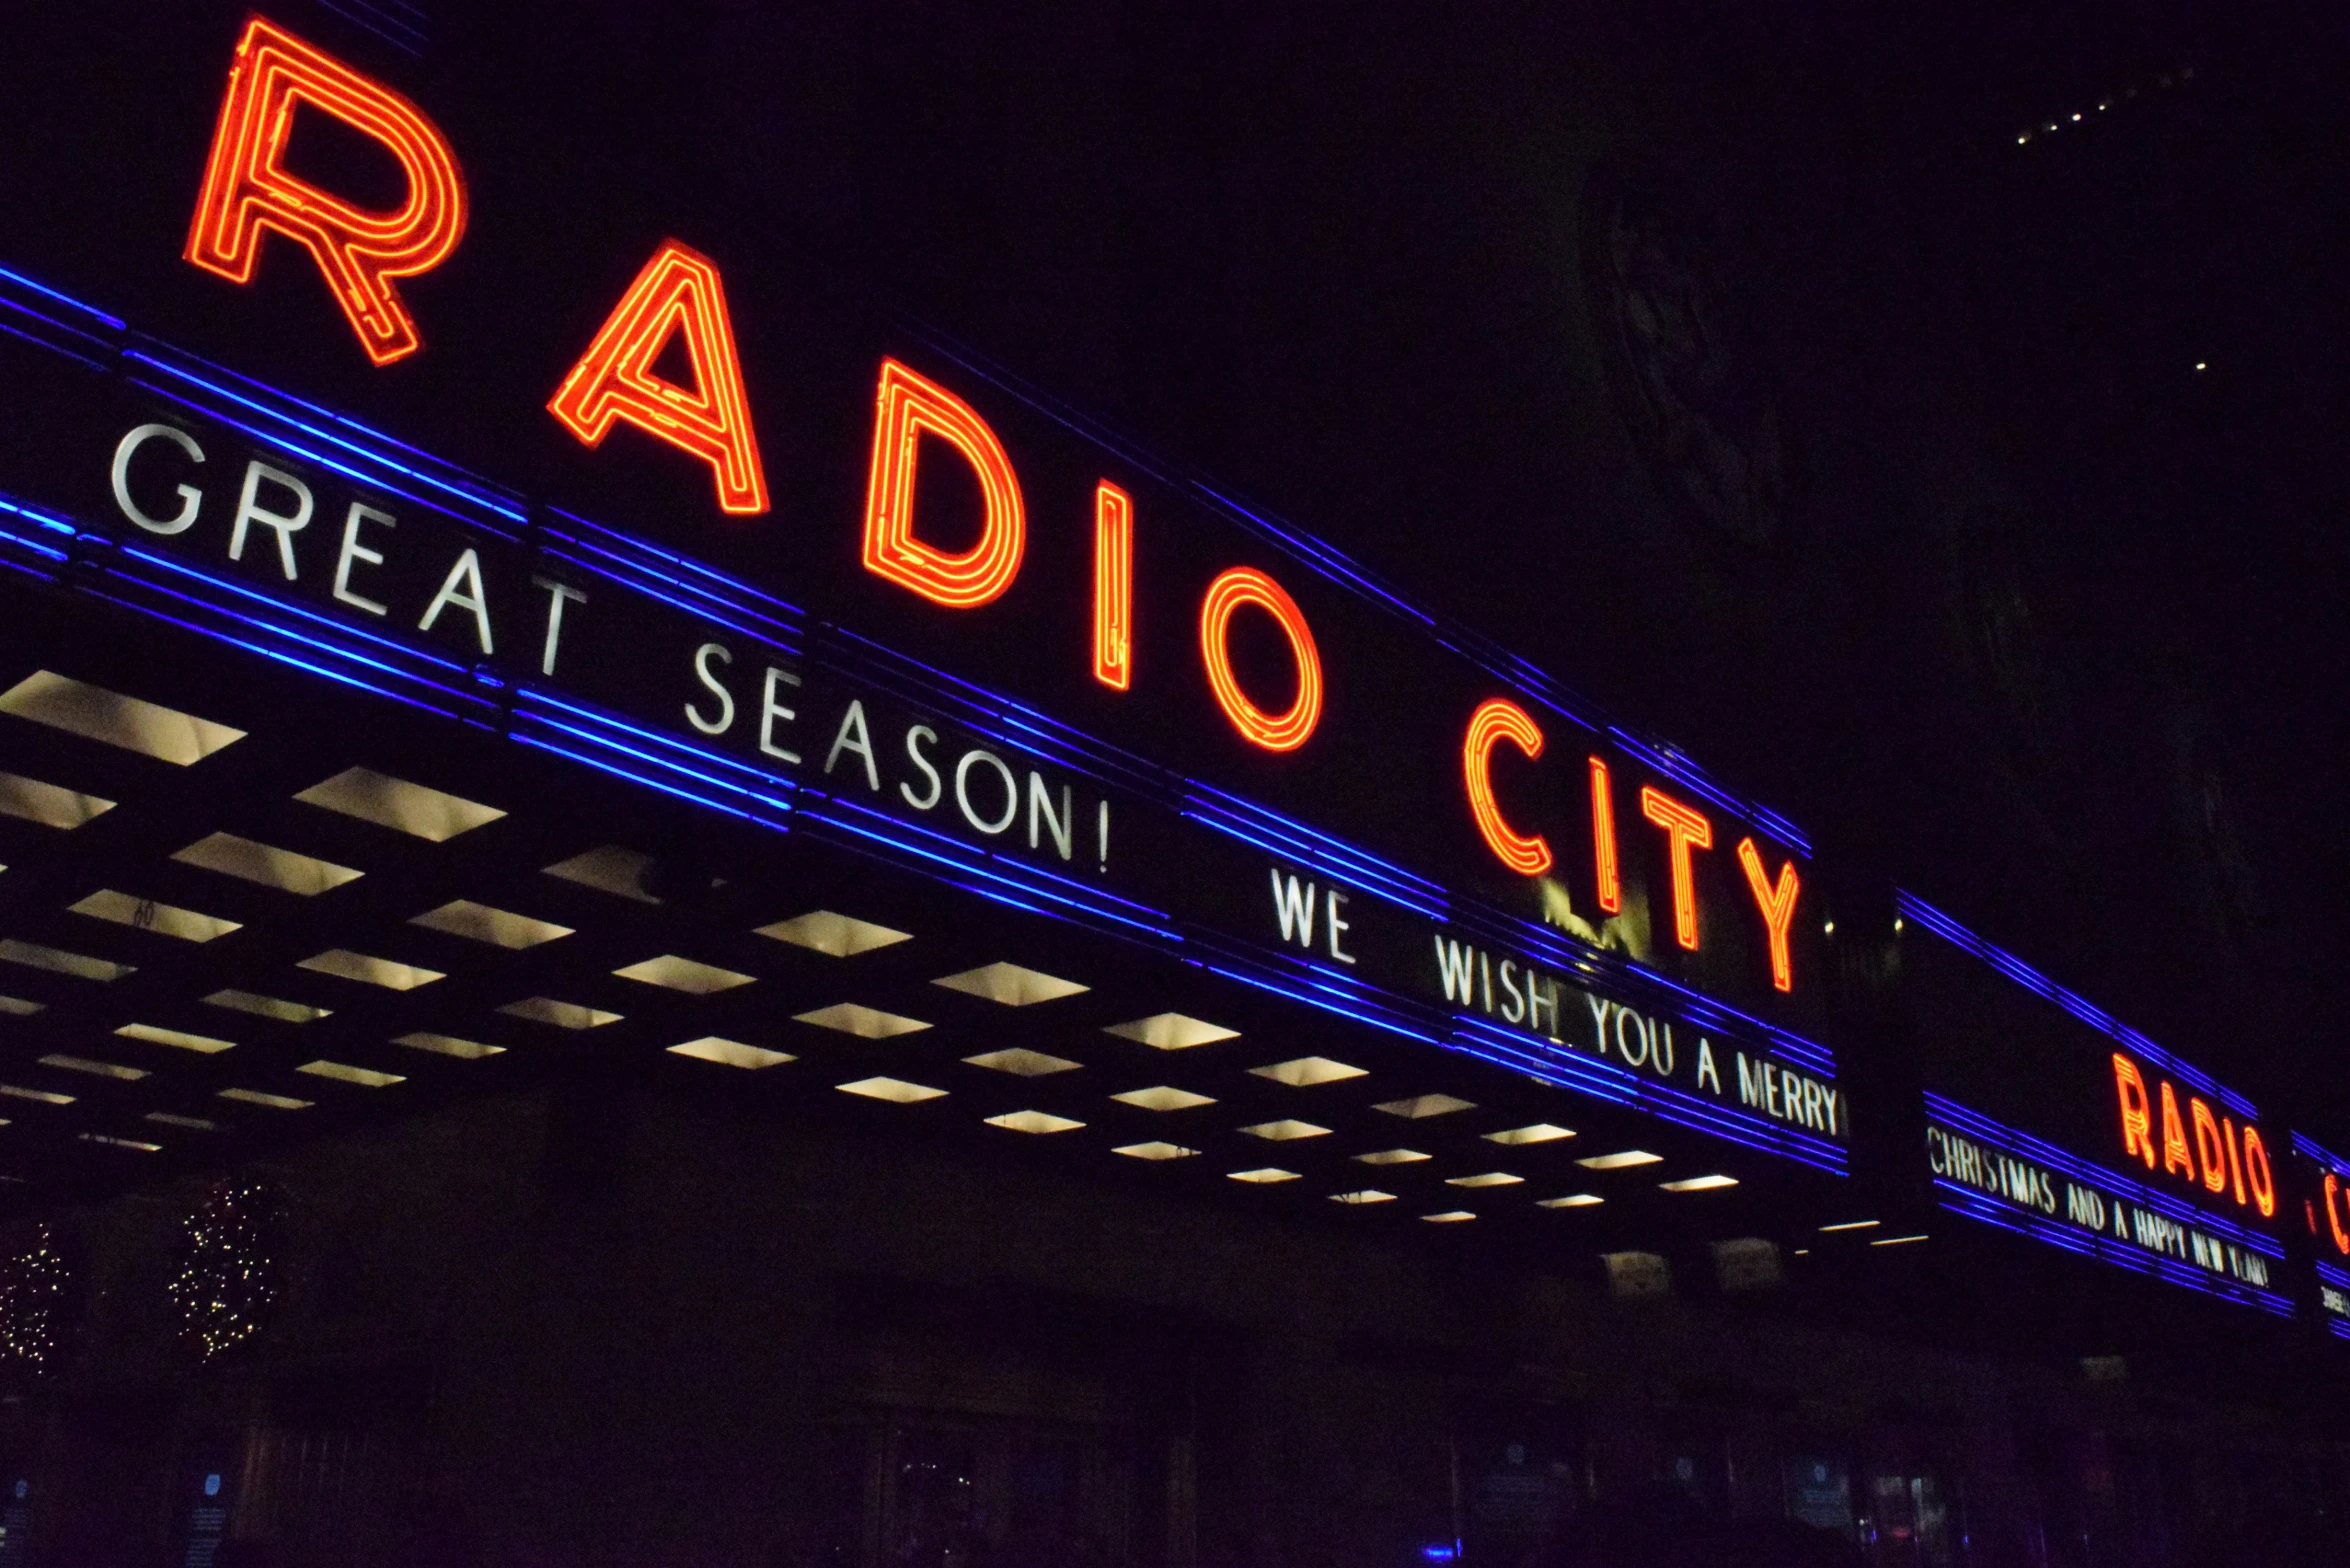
[(1440, 1554), (2052, 125), (1803, 1252), (2019, 141), (2076, 116), (1895, 1241), (1829, 928), (2101, 108), (2201, 365), (1853, 1225)]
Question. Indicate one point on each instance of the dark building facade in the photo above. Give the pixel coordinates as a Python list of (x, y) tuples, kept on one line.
[(884, 786)]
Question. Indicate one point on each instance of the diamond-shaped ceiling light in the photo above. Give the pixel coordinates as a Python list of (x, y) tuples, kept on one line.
[(1033, 1121), (563, 1015), (60, 962), (276, 1102), (146, 915), (1392, 1157), (1698, 1183), (388, 973), (1540, 1132), (683, 974), (248, 861), (1155, 1151), (838, 936), (1264, 1175), (413, 809), (1162, 1097), (1449, 1217), (608, 869), (1285, 1131), (481, 923), (1420, 1106), (48, 804), (95, 713), (1024, 1062), (83, 1064), (1306, 1071), (866, 1023), (1617, 1162), (448, 1045), (896, 1090), (731, 1053), (344, 1072), (1010, 984), (1362, 1195), (177, 1039), (268, 1006), (1172, 1032), (1573, 1200), (1487, 1179)]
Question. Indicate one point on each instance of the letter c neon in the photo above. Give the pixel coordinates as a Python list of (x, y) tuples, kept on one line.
[(1496, 720)]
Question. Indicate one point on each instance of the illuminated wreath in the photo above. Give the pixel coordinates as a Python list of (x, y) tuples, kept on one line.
[(1683, 359), (225, 1268)]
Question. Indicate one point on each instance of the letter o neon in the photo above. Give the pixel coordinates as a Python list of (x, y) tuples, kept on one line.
[(1246, 585)]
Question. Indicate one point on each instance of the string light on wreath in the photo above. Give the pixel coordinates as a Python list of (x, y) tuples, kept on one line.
[(225, 1278), (34, 1278)]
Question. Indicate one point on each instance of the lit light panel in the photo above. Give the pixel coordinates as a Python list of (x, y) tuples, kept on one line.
[(1448, 1217), (1172, 1032), (177, 1039), (609, 869), (1540, 1132), (1033, 1121), (18, 1007), (1155, 1151), (1363, 1195), (147, 915), (1851, 1225), (1619, 1161), (1484, 1179), (83, 1064), (59, 962), (1697, 1183), (1011, 985), (276, 1102), (1306, 1071), (448, 1045), (344, 1072), (268, 1006), (866, 1023), (248, 861), (1023, 1062), (497, 927), (172, 1119), (42, 1096), (673, 973), (1264, 1175), (895, 1090), (731, 1053), (49, 805), (114, 1142), (388, 973), (1573, 1200), (837, 936), (1421, 1106), (1285, 1131), (563, 1015), (1162, 1097), (428, 814), (94, 713)]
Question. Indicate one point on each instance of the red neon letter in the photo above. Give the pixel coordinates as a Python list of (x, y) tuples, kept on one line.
[(2227, 1125), (1113, 586), (1778, 908), (2137, 1134), (907, 406), (2174, 1136), (1246, 585), (2257, 1175), (2333, 1220), (2208, 1148), (677, 292), (1603, 839), (1685, 830), (247, 187), (1496, 720)]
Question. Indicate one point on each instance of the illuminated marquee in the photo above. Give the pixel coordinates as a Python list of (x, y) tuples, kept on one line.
[(989, 701)]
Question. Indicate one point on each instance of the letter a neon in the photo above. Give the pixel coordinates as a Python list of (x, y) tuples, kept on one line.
[(247, 187), (679, 291)]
